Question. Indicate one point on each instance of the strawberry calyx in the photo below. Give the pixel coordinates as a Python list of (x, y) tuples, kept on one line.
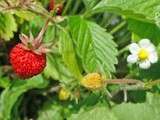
[(35, 44)]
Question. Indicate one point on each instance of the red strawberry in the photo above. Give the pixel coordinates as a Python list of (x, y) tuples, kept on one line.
[(29, 57), (26, 63)]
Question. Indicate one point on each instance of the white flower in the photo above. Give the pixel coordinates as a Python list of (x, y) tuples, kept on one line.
[(144, 53)]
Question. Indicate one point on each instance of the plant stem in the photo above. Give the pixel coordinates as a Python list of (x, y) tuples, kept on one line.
[(41, 14), (41, 33), (123, 81), (118, 27), (138, 85), (9, 8), (150, 84), (76, 6), (123, 50), (125, 95), (133, 87), (66, 7), (7, 2)]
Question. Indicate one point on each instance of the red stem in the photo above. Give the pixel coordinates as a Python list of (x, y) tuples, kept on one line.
[(51, 5), (123, 81), (38, 39)]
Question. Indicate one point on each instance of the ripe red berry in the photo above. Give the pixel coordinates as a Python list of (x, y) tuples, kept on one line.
[(28, 58), (26, 63)]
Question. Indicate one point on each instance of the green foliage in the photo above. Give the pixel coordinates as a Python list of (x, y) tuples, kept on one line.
[(137, 9), (12, 93), (7, 26), (124, 111), (4, 82), (145, 30), (152, 74), (68, 54), (94, 45), (51, 111), (96, 113), (90, 3), (56, 69), (50, 34), (91, 36), (25, 15), (144, 111)]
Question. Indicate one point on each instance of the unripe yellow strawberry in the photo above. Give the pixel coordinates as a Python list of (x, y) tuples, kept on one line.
[(92, 81), (64, 94)]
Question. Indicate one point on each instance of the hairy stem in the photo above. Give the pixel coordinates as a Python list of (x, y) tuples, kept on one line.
[(41, 33), (123, 81), (118, 27), (150, 84), (67, 6), (124, 49)]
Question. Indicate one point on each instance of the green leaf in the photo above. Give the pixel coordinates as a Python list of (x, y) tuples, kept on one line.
[(125, 111), (134, 111), (137, 9), (56, 69), (140, 111), (90, 3), (145, 30), (96, 113), (25, 15), (12, 93), (8, 26), (4, 82), (94, 45), (34, 26), (68, 54), (51, 112), (151, 74), (50, 34)]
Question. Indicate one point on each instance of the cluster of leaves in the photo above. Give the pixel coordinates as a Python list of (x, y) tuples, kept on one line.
[(90, 38)]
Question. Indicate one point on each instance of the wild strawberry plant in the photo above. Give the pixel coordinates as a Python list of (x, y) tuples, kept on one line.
[(79, 59)]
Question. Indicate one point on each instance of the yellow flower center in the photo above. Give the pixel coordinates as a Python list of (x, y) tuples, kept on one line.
[(92, 81), (143, 54)]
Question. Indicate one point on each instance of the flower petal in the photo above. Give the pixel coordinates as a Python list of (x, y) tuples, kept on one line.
[(144, 42), (151, 48), (132, 58), (153, 58), (134, 48), (145, 65)]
